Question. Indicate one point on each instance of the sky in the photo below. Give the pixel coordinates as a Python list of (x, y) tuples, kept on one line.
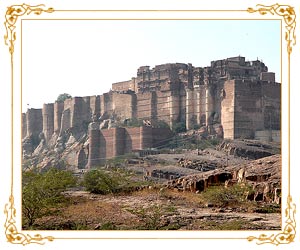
[(83, 58)]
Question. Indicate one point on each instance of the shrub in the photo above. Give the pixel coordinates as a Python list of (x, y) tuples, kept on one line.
[(221, 196), (63, 97), (151, 216), (43, 191), (100, 182), (179, 127)]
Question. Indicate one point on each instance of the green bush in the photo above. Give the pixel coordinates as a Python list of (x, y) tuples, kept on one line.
[(116, 180), (63, 97), (179, 127), (43, 191), (220, 196), (100, 182), (161, 124)]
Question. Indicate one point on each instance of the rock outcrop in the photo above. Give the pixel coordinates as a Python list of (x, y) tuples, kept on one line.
[(263, 175)]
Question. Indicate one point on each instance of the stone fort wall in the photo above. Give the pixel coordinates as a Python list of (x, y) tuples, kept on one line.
[(238, 96), (109, 143)]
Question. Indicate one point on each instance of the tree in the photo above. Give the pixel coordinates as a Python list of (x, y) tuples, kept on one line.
[(43, 191), (63, 97), (99, 182)]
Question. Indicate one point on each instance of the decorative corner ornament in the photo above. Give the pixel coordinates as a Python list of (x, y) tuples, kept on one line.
[(289, 16), (289, 231), (11, 231), (11, 16)]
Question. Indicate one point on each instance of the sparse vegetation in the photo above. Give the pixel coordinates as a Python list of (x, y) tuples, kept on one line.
[(41, 193), (179, 127), (114, 181), (134, 122), (150, 216), (119, 160), (236, 224), (219, 196), (100, 182), (63, 97), (180, 143)]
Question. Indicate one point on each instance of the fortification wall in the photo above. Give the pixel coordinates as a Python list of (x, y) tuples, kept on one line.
[(160, 136), (80, 112), (190, 108), (228, 109), (24, 125), (144, 105), (132, 139), (65, 121), (248, 108), (171, 93), (145, 137), (48, 120), (271, 98), (122, 105), (108, 141), (124, 86), (165, 107), (94, 145), (95, 104), (201, 114), (34, 122), (58, 110), (118, 141), (106, 103)]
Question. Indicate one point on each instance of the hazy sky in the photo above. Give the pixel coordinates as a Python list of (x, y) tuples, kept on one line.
[(84, 58)]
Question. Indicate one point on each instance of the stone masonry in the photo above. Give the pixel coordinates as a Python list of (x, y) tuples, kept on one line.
[(240, 97)]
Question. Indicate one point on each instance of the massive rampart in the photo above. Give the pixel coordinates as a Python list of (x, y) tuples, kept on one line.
[(234, 95), (109, 143)]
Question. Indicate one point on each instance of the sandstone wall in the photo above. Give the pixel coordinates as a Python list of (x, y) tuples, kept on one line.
[(80, 112), (95, 104), (166, 107), (24, 125), (202, 101), (271, 99), (132, 139), (122, 105), (144, 105), (34, 122), (250, 106), (118, 141), (94, 145), (58, 110), (191, 108), (228, 109), (109, 143), (106, 103), (107, 140), (145, 137), (124, 86), (65, 121), (48, 120), (161, 136)]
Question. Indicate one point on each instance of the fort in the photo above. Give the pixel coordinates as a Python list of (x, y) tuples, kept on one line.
[(232, 98)]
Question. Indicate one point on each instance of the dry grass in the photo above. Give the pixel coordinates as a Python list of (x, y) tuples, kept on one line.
[(146, 209)]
